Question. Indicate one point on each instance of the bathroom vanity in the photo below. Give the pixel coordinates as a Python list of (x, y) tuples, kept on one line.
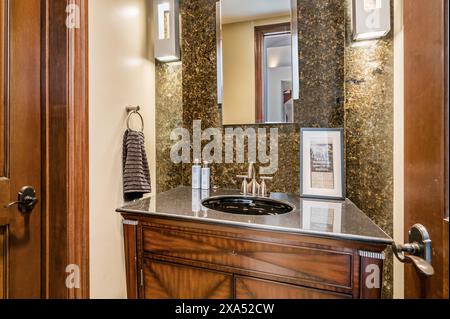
[(176, 248)]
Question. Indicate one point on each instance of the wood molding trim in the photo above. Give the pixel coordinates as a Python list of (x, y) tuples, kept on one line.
[(66, 142), (79, 150), (260, 33)]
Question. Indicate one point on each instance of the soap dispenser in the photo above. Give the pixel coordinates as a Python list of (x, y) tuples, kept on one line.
[(206, 176), (196, 174)]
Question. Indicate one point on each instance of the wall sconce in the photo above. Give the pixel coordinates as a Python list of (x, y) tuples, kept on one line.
[(371, 19), (167, 40)]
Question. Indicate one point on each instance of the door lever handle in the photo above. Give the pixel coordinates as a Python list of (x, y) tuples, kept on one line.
[(12, 204), (422, 265), (418, 251), (26, 200)]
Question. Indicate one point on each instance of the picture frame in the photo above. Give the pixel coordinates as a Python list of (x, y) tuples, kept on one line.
[(322, 173), (322, 216)]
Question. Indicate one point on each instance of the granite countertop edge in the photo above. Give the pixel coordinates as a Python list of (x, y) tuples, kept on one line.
[(365, 239), (171, 214)]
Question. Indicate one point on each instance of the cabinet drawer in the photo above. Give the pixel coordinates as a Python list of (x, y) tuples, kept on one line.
[(296, 263), (250, 288), (170, 281)]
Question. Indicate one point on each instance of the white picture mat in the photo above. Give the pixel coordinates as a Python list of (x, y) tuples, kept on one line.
[(325, 136), (308, 217)]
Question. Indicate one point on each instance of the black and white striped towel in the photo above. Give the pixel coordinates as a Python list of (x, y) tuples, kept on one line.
[(136, 173)]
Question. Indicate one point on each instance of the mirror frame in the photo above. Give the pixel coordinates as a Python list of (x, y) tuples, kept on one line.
[(294, 51)]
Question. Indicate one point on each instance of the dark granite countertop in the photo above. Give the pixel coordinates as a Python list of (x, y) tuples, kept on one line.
[(330, 219)]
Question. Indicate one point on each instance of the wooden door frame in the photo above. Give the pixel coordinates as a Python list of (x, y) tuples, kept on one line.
[(260, 33), (426, 151), (65, 143)]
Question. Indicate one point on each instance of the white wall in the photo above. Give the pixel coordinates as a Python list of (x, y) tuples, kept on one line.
[(121, 73), (399, 159), (239, 73)]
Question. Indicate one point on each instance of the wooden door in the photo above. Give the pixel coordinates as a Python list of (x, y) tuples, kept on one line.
[(20, 147), (426, 138)]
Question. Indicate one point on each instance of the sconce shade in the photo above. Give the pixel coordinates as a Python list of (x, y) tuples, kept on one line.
[(166, 25), (371, 19)]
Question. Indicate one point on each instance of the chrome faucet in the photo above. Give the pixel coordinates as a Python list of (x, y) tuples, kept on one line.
[(263, 187), (253, 185), (250, 185)]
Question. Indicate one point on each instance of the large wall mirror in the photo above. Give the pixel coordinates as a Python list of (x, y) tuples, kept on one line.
[(257, 51)]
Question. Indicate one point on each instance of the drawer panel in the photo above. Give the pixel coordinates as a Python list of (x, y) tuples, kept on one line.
[(170, 281), (251, 288), (297, 263)]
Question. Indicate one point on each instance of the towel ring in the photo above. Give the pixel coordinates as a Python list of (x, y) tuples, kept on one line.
[(129, 118)]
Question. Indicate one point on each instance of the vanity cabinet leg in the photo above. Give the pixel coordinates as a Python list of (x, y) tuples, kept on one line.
[(371, 271), (131, 258)]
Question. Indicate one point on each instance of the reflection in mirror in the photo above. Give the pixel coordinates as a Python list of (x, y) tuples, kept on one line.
[(257, 61)]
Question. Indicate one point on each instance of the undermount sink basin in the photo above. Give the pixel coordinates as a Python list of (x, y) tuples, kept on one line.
[(242, 205)]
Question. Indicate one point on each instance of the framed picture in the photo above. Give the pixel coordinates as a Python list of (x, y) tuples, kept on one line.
[(322, 163), (322, 216)]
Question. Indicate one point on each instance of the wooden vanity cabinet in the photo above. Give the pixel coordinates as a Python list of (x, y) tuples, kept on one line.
[(181, 259)]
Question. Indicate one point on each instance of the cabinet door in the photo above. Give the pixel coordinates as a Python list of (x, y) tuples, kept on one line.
[(170, 281), (250, 288)]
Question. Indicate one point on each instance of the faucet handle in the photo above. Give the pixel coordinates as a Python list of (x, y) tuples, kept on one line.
[(263, 188), (251, 170), (244, 186)]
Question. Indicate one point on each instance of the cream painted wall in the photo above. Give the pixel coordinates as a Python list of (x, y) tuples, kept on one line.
[(239, 70), (238, 73), (399, 159), (121, 73)]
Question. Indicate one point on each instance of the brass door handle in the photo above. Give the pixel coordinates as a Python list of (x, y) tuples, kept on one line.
[(418, 251), (26, 200)]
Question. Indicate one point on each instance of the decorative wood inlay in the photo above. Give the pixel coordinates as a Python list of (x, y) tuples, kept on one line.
[(283, 260), (372, 255), (131, 222), (250, 288), (170, 281)]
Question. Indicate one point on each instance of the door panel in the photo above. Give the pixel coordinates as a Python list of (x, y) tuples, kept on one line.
[(20, 146)]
